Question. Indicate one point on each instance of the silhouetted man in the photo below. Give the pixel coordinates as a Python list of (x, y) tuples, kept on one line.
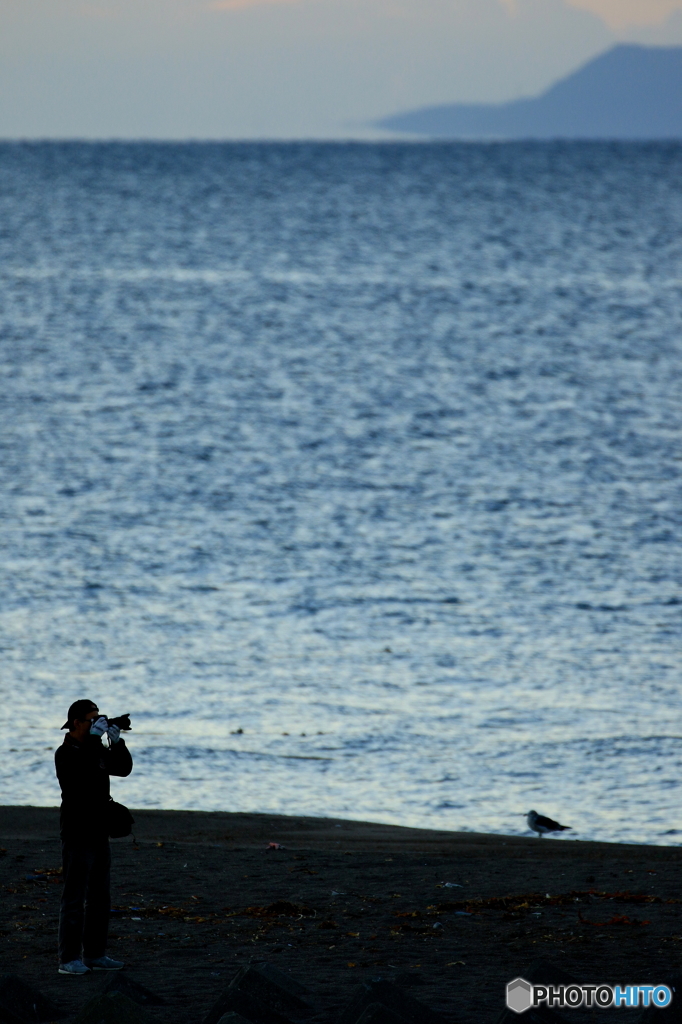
[(84, 765)]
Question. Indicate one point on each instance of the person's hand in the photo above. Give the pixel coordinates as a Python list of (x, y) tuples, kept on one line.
[(99, 727), (114, 733)]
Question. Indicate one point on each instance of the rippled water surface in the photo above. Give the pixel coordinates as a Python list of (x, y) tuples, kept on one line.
[(352, 472)]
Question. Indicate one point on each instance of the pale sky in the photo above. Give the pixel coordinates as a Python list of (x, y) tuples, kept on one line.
[(289, 68)]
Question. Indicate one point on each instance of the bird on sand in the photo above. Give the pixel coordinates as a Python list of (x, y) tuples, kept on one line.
[(542, 825)]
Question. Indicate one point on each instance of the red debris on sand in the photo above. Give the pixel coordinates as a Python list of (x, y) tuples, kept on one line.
[(622, 919)]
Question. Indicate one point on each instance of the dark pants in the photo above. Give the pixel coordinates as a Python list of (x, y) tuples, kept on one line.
[(84, 911)]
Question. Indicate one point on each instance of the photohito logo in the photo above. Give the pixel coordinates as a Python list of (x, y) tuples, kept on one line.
[(521, 995)]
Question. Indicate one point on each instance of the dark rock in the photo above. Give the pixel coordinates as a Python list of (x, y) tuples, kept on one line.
[(127, 986), (261, 993), (233, 1018), (392, 997), (272, 985), (22, 1004), (7, 1017), (113, 1008), (377, 1013)]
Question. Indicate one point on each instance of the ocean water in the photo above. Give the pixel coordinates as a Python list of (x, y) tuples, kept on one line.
[(352, 472)]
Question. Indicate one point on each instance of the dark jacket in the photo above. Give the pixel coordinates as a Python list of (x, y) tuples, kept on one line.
[(83, 770)]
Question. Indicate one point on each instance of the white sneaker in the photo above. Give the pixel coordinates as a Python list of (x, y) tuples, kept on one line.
[(104, 963), (74, 967)]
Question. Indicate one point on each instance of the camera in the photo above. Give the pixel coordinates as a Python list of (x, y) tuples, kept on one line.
[(123, 722)]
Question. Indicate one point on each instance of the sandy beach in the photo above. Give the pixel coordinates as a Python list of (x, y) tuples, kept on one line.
[(452, 916)]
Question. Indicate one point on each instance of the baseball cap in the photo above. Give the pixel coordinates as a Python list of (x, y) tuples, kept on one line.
[(79, 709)]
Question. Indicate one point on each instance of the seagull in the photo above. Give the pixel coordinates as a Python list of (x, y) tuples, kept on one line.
[(542, 825)]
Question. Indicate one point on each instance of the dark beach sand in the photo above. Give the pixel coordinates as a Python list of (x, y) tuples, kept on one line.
[(345, 901)]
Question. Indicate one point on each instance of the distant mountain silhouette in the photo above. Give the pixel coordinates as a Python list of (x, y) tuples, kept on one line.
[(629, 92)]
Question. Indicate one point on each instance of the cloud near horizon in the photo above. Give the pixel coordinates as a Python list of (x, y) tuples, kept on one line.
[(617, 14), (620, 14)]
